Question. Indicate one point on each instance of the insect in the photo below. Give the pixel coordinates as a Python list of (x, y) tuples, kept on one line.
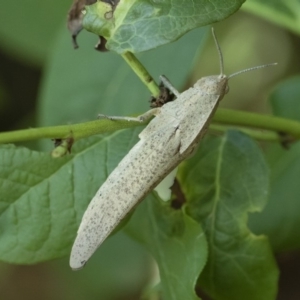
[(171, 137)]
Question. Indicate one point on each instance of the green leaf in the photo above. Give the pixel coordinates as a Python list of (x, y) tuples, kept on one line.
[(285, 13), (177, 243), (43, 199), (79, 84), (285, 98), (227, 179), (280, 220), (28, 27), (140, 25)]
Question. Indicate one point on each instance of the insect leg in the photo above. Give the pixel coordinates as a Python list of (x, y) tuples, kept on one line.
[(169, 85), (142, 118)]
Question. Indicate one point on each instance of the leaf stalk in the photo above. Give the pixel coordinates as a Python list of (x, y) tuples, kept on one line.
[(142, 73)]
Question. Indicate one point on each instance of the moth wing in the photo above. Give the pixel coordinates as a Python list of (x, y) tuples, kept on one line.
[(196, 112), (138, 172), (163, 122)]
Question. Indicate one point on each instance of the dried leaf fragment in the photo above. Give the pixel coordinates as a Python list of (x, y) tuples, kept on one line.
[(75, 16)]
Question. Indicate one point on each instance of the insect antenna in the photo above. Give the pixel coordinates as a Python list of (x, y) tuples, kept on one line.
[(251, 69), (219, 51)]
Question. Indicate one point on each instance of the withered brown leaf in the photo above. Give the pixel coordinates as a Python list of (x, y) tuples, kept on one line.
[(75, 16)]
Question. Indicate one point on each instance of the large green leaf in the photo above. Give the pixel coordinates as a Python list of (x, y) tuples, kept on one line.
[(176, 241), (282, 12), (139, 25), (43, 199), (78, 84), (280, 220), (28, 27), (227, 179)]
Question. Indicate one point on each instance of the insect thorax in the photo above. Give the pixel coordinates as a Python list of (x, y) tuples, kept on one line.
[(213, 85)]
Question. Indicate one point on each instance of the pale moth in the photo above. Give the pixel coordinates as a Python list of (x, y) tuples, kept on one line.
[(169, 138)]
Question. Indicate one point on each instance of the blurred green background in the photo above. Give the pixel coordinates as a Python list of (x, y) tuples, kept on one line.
[(43, 81)]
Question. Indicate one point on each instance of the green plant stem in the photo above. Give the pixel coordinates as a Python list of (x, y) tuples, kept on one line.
[(254, 120), (76, 131), (260, 135), (224, 116), (142, 73)]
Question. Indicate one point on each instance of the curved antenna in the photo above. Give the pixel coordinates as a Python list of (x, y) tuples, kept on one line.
[(251, 69), (219, 51)]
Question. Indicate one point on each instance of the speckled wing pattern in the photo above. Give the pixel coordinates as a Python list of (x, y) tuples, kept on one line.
[(139, 171), (167, 140), (194, 109)]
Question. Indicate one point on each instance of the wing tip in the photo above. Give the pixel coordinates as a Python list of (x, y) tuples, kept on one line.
[(76, 264)]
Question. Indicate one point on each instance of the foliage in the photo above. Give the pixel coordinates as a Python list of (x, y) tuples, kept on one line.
[(208, 243)]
